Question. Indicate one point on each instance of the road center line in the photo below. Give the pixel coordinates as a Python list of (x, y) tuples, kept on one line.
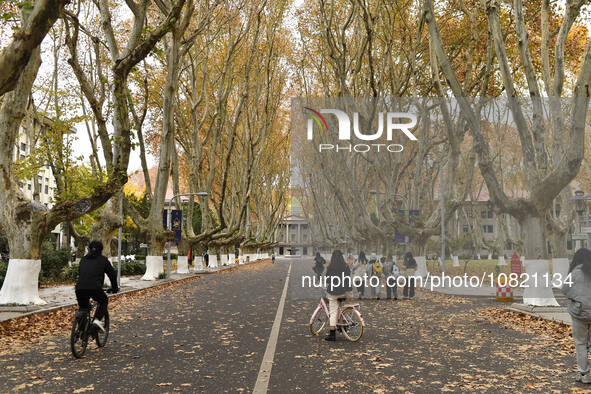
[(262, 382)]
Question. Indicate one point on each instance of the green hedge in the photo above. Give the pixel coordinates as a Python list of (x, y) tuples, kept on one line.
[(70, 274), (132, 268), (54, 267), (53, 262)]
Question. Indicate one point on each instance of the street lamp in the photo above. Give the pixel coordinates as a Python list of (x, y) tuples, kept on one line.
[(168, 220), (375, 196), (406, 215), (119, 244)]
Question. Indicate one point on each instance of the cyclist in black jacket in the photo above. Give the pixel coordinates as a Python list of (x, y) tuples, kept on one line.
[(91, 276)]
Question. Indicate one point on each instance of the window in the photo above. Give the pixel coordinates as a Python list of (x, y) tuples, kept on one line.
[(466, 228), (490, 228), (484, 229), (46, 189), (23, 147), (29, 185), (469, 212), (509, 246), (490, 214), (39, 178), (569, 245), (47, 181), (483, 214)]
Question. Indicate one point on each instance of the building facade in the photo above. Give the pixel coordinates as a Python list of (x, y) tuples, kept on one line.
[(293, 235), (45, 179)]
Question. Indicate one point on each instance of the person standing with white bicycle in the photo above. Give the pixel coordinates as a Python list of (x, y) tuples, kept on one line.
[(338, 284), (91, 276)]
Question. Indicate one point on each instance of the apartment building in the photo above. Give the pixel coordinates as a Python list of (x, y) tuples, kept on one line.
[(47, 185)]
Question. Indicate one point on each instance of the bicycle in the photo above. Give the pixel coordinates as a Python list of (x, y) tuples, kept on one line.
[(83, 330), (349, 320)]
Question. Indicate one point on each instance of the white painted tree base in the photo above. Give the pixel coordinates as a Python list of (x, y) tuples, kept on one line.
[(421, 266), (182, 265), (213, 261), (154, 267), (232, 258), (538, 294), (456, 261), (198, 261), (21, 284), (560, 266), (501, 261), (224, 258)]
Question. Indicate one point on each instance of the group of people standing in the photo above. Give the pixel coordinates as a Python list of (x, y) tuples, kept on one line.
[(368, 274)]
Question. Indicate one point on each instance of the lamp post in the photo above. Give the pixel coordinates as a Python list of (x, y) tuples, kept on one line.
[(168, 220), (375, 196), (119, 245), (442, 192), (406, 216)]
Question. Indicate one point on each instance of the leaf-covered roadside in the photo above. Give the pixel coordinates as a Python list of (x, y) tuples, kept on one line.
[(558, 332), (17, 334)]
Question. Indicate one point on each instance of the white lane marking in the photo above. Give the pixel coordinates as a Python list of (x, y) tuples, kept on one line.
[(262, 382)]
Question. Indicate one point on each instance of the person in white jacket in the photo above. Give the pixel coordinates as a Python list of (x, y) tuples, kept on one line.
[(578, 292)]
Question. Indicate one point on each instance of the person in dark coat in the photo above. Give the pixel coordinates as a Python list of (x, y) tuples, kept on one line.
[(319, 264), (338, 268), (91, 277), (410, 266)]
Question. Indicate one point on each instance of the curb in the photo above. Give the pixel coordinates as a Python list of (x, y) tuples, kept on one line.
[(160, 283), (536, 310)]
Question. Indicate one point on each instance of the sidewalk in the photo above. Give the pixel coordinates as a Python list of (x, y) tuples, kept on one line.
[(550, 313), (63, 295)]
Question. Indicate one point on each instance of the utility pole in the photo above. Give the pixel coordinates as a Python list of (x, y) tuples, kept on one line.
[(442, 219), (119, 245)]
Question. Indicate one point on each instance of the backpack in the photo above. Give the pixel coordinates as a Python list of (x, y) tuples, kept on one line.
[(377, 268)]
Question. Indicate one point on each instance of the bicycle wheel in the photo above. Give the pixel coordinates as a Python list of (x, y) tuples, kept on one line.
[(78, 337), (101, 337), (318, 322), (351, 325)]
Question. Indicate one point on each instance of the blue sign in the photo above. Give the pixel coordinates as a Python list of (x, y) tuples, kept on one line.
[(176, 222), (398, 238), (411, 213)]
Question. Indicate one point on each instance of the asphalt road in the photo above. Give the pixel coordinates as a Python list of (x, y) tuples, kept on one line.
[(210, 335)]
